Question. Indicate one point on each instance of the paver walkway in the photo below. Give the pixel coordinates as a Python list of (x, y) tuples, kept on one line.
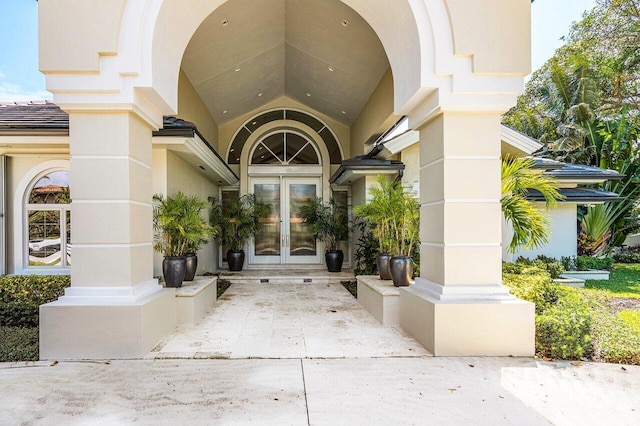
[(288, 321)]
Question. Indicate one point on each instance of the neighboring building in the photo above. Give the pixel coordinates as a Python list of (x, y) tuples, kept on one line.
[(283, 95)]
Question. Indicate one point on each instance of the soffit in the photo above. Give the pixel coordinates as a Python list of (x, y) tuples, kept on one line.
[(284, 47)]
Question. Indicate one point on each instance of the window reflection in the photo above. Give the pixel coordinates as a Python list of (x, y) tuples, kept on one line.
[(48, 221), (45, 244)]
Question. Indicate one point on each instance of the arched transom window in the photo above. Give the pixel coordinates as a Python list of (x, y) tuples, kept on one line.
[(48, 221), (285, 148)]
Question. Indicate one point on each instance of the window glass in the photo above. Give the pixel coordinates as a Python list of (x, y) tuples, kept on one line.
[(53, 188), (45, 244), (48, 221)]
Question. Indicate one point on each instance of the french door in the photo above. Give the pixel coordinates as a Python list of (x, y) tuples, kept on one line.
[(283, 238)]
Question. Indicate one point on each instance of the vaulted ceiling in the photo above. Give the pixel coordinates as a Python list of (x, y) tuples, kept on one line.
[(319, 52)]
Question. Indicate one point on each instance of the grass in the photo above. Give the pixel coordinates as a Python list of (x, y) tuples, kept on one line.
[(624, 281)]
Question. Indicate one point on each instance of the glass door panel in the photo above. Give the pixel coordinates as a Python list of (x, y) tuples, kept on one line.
[(301, 241), (266, 248), (301, 247)]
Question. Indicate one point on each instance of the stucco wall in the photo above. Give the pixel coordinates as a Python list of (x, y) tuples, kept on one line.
[(411, 159), (171, 174), (376, 115), (191, 108), (563, 238)]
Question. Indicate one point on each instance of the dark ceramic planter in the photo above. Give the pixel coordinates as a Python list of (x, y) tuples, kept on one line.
[(334, 259), (383, 266), (401, 268), (235, 259), (173, 269), (192, 266)]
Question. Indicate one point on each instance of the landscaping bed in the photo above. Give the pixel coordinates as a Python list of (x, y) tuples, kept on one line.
[(601, 322)]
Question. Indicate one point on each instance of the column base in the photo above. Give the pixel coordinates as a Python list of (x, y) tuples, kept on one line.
[(452, 321), (91, 328)]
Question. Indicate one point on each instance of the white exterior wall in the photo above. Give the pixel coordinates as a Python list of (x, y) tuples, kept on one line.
[(563, 240), (171, 174)]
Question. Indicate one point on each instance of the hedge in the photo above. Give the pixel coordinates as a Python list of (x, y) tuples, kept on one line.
[(21, 296), (18, 344), (563, 319)]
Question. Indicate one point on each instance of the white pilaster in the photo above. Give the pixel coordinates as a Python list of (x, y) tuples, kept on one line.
[(114, 307), (459, 306)]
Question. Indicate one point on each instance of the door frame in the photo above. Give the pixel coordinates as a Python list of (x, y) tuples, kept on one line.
[(285, 258)]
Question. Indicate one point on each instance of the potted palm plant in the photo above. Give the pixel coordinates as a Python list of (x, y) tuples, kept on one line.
[(197, 232), (177, 225), (378, 212), (405, 234), (395, 219), (330, 225), (237, 220)]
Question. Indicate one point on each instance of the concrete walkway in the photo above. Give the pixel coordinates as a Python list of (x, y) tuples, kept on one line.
[(314, 320), (392, 391), (325, 361)]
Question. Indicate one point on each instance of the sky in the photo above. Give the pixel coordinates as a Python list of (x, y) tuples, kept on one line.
[(21, 80)]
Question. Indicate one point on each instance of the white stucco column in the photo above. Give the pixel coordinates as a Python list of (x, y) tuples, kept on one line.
[(114, 307), (458, 306)]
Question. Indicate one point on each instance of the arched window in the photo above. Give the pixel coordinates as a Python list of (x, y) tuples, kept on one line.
[(285, 148), (48, 221)]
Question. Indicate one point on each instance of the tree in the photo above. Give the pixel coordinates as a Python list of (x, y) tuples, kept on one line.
[(530, 224), (584, 105)]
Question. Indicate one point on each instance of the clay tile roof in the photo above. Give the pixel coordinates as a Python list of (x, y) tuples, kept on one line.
[(32, 115)]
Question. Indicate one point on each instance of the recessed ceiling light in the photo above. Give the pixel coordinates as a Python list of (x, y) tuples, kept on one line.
[(232, 149), (237, 69), (343, 111), (344, 22), (262, 156), (225, 111), (238, 159), (309, 94), (254, 123), (225, 22), (332, 69), (259, 94)]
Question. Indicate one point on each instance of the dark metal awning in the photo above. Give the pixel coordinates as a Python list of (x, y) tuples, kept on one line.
[(363, 165), (579, 195)]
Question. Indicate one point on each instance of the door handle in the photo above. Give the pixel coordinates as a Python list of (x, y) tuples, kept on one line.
[(288, 241)]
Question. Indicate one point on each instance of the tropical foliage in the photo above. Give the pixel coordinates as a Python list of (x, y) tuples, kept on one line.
[(394, 216), (178, 224), (329, 221), (583, 104), (530, 224), (237, 219)]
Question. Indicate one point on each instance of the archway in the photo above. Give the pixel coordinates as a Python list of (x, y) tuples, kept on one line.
[(457, 66)]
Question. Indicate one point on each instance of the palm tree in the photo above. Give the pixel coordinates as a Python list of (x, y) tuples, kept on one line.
[(530, 224)]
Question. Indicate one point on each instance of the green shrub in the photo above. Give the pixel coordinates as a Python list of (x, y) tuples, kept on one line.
[(18, 344), (562, 317), (564, 329), (534, 286), (627, 257), (585, 263), (631, 318), (21, 296), (615, 341), (549, 264)]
